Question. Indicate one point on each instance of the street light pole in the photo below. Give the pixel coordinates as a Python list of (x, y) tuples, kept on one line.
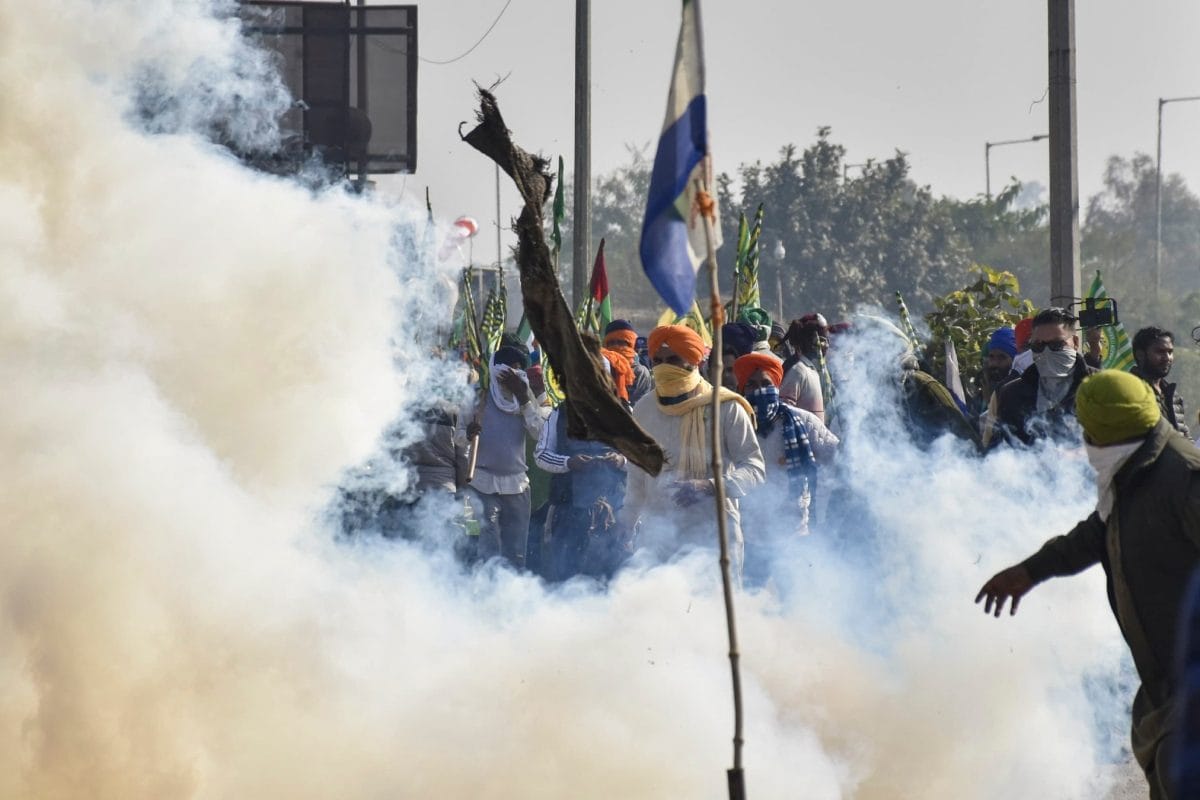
[(1064, 160), (987, 155), (581, 219), (1162, 101)]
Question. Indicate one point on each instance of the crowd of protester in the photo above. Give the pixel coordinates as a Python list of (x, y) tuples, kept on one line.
[(547, 502), (539, 499)]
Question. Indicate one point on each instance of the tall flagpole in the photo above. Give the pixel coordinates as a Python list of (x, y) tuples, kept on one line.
[(736, 778)]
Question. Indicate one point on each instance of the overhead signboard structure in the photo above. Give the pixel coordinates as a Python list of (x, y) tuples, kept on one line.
[(352, 71)]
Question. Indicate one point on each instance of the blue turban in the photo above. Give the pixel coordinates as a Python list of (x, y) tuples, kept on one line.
[(738, 337), (618, 325), (513, 356), (1004, 339)]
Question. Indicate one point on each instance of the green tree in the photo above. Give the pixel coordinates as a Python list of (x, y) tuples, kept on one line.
[(847, 241), (968, 316), (1119, 234), (1001, 233)]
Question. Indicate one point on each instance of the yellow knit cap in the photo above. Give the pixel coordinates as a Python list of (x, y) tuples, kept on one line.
[(1113, 406)]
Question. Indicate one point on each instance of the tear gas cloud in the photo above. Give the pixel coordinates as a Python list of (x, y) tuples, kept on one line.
[(193, 354)]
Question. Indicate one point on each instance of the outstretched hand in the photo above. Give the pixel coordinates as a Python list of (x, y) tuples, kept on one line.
[(1013, 582)]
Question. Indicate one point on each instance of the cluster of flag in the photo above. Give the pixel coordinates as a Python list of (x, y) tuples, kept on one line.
[(745, 266), (673, 244), (595, 312)]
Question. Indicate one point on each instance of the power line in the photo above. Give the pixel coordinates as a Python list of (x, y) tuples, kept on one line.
[(472, 47)]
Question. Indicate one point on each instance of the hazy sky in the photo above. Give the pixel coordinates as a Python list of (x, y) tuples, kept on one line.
[(935, 78)]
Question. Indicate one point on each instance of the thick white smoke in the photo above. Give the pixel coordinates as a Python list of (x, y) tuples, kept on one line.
[(193, 353)]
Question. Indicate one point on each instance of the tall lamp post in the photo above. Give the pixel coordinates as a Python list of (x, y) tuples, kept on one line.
[(780, 254), (1162, 101), (987, 155)]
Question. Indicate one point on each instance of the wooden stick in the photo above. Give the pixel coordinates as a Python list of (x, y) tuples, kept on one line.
[(737, 789)]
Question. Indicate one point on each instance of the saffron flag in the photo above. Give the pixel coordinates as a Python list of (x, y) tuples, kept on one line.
[(672, 245), (1116, 347)]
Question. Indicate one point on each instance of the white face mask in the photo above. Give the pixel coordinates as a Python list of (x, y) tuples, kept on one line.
[(1055, 363), (1107, 461)]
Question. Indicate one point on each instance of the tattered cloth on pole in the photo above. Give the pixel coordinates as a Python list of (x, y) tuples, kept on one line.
[(593, 411)]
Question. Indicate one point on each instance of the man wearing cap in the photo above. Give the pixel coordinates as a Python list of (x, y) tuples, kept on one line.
[(1145, 532), (1040, 403), (997, 370), (676, 509), (499, 490), (620, 337), (737, 339)]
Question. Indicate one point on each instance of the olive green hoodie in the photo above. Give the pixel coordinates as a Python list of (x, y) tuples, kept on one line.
[(1149, 547)]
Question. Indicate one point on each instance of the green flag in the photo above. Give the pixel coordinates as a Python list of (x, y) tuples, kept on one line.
[(746, 263), (465, 332), (560, 210), (906, 324), (495, 311), (595, 312), (1116, 347), (525, 333)]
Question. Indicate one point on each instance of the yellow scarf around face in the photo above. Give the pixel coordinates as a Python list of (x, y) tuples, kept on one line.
[(672, 381)]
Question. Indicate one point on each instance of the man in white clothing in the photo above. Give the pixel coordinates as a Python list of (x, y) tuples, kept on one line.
[(676, 509)]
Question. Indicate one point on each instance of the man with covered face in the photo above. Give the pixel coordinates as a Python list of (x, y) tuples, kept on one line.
[(1145, 532), (804, 385), (793, 442), (499, 490), (1154, 352), (676, 508), (1041, 402)]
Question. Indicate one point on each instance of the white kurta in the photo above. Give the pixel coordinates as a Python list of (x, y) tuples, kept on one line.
[(667, 528)]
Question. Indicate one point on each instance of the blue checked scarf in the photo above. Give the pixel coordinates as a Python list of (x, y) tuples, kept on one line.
[(797, 450)]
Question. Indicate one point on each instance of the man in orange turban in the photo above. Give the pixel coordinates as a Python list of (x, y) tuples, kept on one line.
[(793, 442), (676, 414), (620, 337), (685, 345), (747, 365)]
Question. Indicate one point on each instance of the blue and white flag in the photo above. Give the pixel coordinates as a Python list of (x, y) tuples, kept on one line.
[(673, 245)]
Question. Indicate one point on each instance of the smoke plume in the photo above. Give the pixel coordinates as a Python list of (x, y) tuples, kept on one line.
[(192, 355)]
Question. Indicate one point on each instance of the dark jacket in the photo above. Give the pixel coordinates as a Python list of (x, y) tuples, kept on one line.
[(931, 410), (643, 382), (1170, 403), (1016, 410), (1149, 547)]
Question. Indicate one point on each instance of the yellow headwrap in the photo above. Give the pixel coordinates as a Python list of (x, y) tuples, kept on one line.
[(1113, 406), (672, 381)]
